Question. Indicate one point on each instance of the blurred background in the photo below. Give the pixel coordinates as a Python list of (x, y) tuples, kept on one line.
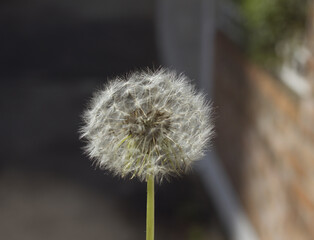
[(253, 58)]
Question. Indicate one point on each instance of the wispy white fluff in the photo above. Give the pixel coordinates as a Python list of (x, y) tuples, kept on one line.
[(149, 123)]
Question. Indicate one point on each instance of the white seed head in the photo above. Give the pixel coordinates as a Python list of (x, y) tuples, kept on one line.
[(151, 123)]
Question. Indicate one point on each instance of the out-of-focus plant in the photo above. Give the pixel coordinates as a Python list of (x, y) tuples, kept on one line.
[(272, 27)]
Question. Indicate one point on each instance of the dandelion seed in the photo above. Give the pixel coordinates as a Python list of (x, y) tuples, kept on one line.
[(148, 124)]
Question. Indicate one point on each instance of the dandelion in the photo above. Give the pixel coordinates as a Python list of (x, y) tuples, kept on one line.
[(149, 125)]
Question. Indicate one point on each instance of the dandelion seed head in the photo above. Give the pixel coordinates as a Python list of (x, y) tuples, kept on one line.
[(149, 123)]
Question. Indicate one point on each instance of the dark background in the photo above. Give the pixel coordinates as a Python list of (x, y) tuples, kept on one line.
[(53, 56)]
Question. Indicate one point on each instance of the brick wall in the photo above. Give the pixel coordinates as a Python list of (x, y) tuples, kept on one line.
[(265, 138)]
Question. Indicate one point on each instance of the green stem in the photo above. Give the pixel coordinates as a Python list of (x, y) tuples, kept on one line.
[(150, 208)]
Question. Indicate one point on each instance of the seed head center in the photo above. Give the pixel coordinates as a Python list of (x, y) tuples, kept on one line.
[(151, 125)]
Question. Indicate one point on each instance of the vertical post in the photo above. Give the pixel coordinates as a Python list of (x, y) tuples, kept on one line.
[(207, 46)]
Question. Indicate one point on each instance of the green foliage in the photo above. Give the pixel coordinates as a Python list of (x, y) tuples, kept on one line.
[(269, 23)]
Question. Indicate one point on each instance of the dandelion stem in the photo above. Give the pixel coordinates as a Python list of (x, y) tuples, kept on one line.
[(150, 208)]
